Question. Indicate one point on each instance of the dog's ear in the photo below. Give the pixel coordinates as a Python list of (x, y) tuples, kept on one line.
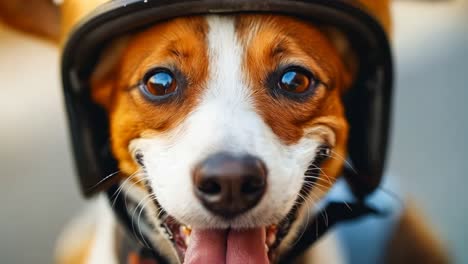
[(49, 19), (37, 17), (104, 77)]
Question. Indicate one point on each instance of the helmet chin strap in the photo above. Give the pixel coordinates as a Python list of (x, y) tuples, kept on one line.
[(140, 243)]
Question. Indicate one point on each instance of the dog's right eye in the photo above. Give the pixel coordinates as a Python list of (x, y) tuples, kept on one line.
[(158, 84)]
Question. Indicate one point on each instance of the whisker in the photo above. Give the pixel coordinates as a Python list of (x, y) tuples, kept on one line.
[(324, 191), (314, 167), (103, 180), (347, 205), (122, 186), (342, 159), (307, 204), (139, 218), (324, 214), (125, 182), (131, 186), (144, 200), (316, 183), (125, 190), (317, 177), (161, 211), (316, 187)]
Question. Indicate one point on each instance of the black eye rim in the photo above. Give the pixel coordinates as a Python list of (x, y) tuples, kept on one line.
[(162, 98), (275, 78)]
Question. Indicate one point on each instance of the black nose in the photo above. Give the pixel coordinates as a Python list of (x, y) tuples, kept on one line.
[(229, 185)]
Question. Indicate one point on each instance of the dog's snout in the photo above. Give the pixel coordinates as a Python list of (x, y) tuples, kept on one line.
[(229, 185)]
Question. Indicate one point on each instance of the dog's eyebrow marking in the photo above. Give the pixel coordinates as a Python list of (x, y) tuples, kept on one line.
[(177, 53), (174, 49), (279, 48)]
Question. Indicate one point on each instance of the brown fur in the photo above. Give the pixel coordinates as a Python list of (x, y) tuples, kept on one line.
[(38, 17), (414, 241)]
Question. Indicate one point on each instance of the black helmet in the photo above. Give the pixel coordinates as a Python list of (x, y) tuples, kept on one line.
[(92, 24)]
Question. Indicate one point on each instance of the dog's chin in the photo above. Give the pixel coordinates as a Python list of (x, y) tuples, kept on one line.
[(204, 245)]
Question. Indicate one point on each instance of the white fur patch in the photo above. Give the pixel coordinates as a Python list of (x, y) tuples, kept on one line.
[(103, 250), (225, 120), (326, 250)]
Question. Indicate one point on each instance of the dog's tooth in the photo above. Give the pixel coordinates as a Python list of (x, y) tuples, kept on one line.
[(186, 230), (185, 233), (267, 248), (271, 234), (271, 237)]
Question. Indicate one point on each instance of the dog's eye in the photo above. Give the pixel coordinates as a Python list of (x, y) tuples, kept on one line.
[(296, 81), (159, 84)]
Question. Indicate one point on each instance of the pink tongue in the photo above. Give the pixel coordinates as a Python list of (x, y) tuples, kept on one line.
[(206, 246), (246, 246), (230, 247)]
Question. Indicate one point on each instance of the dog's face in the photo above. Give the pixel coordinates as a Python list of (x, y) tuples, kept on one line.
[(227, 118)]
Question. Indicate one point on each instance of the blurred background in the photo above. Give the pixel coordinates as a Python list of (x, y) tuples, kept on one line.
[(428, 156)]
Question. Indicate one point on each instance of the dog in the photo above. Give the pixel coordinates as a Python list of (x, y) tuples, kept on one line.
[(216, 108)]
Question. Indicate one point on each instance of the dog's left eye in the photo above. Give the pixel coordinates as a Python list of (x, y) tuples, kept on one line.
[(296, 81), (158, 84)]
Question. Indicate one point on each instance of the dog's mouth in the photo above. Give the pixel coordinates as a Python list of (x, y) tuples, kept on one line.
[(259, 245), (254, 245)]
